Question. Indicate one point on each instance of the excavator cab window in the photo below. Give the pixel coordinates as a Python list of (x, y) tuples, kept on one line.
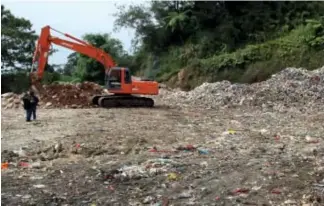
[(114, 78), (128, 77)]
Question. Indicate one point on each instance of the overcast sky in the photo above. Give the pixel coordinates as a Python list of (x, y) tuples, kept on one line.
[(72, 17)]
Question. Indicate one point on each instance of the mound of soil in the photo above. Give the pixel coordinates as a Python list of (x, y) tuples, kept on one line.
[(58, 96)]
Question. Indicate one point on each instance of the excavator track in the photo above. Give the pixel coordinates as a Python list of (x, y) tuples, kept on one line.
[(112, 101)]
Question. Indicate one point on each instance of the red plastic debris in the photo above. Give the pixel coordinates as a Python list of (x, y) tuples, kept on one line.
[(241, 190), (277, 137), (165, 201), (24, 164), (276, 191), (111, 188), (153, 150), (148, 166), (190, 147), (4, 165), (217, 198), (314, 141), (77, 145)]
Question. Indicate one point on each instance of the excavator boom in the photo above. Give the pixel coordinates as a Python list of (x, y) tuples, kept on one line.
[(44, 44)]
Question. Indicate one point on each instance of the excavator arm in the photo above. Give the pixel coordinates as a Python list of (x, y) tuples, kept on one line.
[(44, 44)]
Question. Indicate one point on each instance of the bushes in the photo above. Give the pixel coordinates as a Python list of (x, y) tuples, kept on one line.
[(14, 82)]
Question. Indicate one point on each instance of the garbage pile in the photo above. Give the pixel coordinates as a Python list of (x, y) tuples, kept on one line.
[(58, 96), (288, 88)]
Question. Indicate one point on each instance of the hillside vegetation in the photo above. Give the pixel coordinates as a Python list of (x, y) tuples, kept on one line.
[(185, 43), (236, 41)]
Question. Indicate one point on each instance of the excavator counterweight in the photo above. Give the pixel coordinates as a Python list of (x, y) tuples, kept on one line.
[(119, 82)]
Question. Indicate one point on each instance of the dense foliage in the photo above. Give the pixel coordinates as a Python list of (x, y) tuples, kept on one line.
[(17, 42), (220, 40)]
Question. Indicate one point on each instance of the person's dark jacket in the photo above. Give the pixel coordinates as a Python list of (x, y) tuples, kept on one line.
[(26, 101), (34, 101)]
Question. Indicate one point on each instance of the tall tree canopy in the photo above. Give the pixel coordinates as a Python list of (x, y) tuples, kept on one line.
[(89, 69), (17, 42), (219, 24)]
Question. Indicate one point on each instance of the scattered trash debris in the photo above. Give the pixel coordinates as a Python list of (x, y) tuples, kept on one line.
[(230, 131), (240, 190), (39, 186), (4, 165), (276, 191), (203, 151), (24, 164), (186, 148), (172, 176), (204, 170)]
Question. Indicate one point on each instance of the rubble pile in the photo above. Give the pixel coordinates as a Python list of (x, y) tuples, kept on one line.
[(10, 100), (70, 95), (288, 88), (58, 96)]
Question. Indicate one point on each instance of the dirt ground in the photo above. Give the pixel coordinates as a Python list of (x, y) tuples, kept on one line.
[(224, 156)]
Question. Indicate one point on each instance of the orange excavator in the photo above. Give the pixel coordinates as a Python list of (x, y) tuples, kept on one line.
[(123, 88)]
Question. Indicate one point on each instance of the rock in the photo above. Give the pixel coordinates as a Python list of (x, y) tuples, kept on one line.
[(310, 139), (309, 151), (21, 152), (17, 101), (26, 197), (204, 164), (58, 147), (11, 99), (10, 106), (7, 95), (148, 199), (48, 104), (36, 165), (289, 202), (185, 194), (40, 186), (36, 178)]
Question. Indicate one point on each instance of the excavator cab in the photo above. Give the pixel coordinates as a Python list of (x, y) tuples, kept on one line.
[(118, 78)]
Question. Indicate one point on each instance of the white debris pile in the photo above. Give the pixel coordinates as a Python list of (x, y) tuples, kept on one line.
[(146, 169), (290, 87), (11, 100)]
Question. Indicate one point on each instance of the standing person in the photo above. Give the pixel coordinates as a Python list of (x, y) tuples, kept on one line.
[(34, 103), (27, 106)]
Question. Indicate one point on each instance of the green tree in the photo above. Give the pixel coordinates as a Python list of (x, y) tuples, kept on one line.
[(91, 70), (70, 66), (17, 42)]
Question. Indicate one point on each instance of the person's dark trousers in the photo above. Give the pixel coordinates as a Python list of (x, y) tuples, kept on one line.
[(28, 114), (34, 112)]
